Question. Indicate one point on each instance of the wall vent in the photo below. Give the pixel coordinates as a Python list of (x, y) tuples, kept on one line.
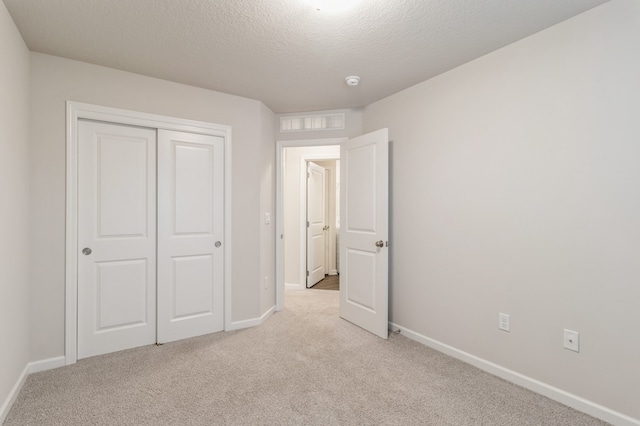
[(306, 123)]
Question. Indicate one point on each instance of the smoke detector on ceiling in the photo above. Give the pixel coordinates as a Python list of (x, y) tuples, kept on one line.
[(352, 80)]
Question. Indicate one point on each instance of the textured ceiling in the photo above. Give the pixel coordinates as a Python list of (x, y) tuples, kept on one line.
[(285, 52)]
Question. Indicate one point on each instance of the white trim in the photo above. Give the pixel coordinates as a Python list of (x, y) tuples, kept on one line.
[(280, 146), (46, 364), (11, 398), (253, 322), (294, 286), (78, 110), (30, 368), (559, 395)]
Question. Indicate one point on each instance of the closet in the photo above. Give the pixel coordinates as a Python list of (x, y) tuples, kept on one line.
[(150, 228)]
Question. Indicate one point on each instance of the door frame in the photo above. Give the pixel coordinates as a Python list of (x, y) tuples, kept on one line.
[(280, 147), (78, 110)]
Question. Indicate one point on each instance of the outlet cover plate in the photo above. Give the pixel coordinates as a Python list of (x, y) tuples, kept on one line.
[(572, 340), (504, 322)]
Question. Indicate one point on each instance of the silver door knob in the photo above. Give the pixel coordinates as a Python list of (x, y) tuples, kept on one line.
[(380, 243), (86, 251), (218, 244)]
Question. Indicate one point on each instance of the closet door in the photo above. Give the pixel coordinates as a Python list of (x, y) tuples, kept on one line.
[(190, 235), (116, 237)]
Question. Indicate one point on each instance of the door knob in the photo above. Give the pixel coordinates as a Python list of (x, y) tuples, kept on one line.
[(380, 243), (86, 251), (218, 244)]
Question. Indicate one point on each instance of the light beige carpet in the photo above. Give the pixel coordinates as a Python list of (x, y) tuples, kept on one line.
[(304, 366)]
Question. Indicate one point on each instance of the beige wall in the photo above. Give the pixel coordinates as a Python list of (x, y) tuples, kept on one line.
[(515, 189), (55, 80), (14, 206)]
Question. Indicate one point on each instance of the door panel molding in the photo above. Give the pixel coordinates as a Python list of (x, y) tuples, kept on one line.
[(76, 111)]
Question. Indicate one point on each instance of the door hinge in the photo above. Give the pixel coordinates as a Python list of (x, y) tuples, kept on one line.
[(307, 273), (387, 243), (308, 174), (307, 224)]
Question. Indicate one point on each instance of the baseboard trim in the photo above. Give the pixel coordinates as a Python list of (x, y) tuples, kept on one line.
[(253, 322), (294, 286), (593, 409), (11, 398), (46, 364)]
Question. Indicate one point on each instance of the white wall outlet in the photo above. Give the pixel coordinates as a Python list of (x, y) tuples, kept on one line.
[(504, 322), (267, 218), (572, 340), (266, 283)]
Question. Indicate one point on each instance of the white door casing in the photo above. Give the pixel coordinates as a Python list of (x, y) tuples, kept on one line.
[(316, 222), (190, 235), (117, 232), (364, 231)]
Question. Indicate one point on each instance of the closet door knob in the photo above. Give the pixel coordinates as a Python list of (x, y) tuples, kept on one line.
[(86, 251), (218, 244)]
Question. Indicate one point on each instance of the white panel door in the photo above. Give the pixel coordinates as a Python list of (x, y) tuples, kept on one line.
[(190, 235), (364, 216), (116, 237), (316, 222)]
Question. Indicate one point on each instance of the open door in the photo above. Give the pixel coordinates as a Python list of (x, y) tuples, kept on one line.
[(364, 212), (316, 222)]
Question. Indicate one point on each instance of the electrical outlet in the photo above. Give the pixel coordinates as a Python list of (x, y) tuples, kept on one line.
[(267, 218), (266, 283), (504, 322), (572, 340)]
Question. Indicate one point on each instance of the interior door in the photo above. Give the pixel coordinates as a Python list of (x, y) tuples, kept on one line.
[(316, 222), (190, 235), (116, 237), (364, 231)]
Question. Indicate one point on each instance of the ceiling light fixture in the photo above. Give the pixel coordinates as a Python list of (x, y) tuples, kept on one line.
[(352, 80)]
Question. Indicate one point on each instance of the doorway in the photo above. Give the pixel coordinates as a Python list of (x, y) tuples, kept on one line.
[(291, 258), (323, 223), (364, 207)]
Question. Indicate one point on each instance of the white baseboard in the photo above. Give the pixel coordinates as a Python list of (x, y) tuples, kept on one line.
[(333, 272), (294, 286), (253, 322), (596, 410), (32, 367), (6, 405), (46, 364)]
